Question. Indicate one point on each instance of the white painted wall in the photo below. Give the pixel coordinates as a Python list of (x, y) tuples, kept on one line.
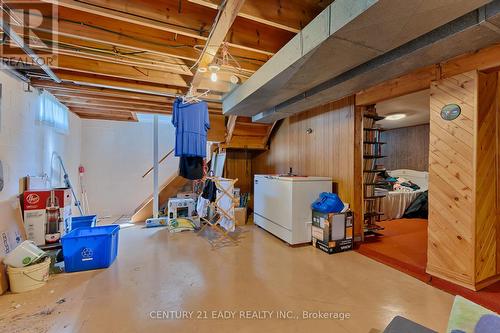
[(115, 156), (26, 146)]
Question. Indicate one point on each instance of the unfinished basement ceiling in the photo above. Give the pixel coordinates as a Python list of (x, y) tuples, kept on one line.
[(345, 35), (416, 108), (116, 57)]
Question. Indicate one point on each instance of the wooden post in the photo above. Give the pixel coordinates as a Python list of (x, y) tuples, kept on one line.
[(463, 175)]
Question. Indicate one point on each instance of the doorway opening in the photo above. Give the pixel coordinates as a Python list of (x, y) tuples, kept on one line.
[(395, 182)]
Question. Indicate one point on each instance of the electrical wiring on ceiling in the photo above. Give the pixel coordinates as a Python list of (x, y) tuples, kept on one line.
[(177, 46), (216, 21)]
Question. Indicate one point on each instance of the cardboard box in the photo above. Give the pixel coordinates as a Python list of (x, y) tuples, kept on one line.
[(11, 234), (240, 215), (334, 246), (47, 215), (332, 233)]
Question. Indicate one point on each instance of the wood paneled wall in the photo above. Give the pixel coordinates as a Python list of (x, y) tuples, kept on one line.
[(498, 173), (462, 181), (327, 151), (239, 165), (407, 148)]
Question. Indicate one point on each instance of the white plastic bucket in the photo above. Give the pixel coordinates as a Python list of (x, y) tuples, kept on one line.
[(23, 255), (28, 278)]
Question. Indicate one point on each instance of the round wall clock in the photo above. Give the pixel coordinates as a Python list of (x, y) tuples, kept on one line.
[(450, 111)]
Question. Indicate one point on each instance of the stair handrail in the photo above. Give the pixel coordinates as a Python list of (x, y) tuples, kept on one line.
[(162, 159)]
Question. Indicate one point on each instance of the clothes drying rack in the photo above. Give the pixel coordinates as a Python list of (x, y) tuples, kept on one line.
[(220, 213)]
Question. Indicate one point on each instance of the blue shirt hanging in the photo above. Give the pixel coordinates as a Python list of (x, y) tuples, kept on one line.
[(191, 125)]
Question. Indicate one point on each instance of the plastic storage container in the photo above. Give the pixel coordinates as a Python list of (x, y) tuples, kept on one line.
[(83, 221), (90, 248), (24, 254)]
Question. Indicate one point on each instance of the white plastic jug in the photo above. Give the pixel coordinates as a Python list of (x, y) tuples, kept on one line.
[(24, 254)]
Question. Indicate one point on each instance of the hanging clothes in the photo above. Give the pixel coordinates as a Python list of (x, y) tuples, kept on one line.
[(209, 191), (191, 124), (202, 206), (191, 167)]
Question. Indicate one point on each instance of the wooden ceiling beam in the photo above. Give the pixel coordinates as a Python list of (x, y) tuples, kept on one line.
[(124, 116), (83, 98), (92, 28), (82, 95), (138, 107), (134, 61), (219, 32), (64, 96), (92, 31), (72, 88), (420, 79), (96, 81), (106, 105), (108, 110), (179, 18), (109, 69), (231, 124), (290, 15), (152, 14), (106, 82)]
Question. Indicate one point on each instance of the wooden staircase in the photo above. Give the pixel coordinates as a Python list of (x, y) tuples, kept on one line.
[(242, 133), (167, 190)]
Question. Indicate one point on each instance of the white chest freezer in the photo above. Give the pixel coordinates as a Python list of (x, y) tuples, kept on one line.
[(282, 205)]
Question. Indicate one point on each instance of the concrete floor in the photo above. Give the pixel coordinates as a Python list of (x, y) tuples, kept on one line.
[(159, 271)]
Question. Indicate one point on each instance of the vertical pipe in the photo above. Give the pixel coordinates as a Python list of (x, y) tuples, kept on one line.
[(155, 167)]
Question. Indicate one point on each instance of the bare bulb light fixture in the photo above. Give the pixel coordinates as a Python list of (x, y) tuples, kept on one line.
[(213, 69)]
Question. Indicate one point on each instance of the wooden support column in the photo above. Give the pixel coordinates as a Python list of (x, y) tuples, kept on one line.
[(463, 171), (357, 199)]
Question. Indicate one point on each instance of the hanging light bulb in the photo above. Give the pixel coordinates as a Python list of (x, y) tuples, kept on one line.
[(213, 69), (213, 77)]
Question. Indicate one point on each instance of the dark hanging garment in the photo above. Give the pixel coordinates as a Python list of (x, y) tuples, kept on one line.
[(191, 167), (209, 191)]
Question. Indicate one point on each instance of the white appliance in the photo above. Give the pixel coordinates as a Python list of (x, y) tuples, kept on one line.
[(282, 205), (180, 208)]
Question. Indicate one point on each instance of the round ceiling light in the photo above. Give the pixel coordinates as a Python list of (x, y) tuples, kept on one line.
[(395, 116)]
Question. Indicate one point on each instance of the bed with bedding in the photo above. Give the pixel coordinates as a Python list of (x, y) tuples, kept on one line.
[(404, 192)]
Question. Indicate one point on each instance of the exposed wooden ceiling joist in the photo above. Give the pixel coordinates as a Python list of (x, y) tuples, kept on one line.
[(109, 69), (100, 91), (136, 55), (99, 115), (104, 82), (76, 28), (179, 18), (138, 106), (290, 15), (219, 32)]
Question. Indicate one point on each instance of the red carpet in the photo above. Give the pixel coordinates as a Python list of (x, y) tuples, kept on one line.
[(404, 247)]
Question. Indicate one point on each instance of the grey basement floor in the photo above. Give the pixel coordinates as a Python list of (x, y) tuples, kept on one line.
[(157, 272)]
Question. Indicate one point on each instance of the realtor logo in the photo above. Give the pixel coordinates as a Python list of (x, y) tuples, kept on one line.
[(28, 24)]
